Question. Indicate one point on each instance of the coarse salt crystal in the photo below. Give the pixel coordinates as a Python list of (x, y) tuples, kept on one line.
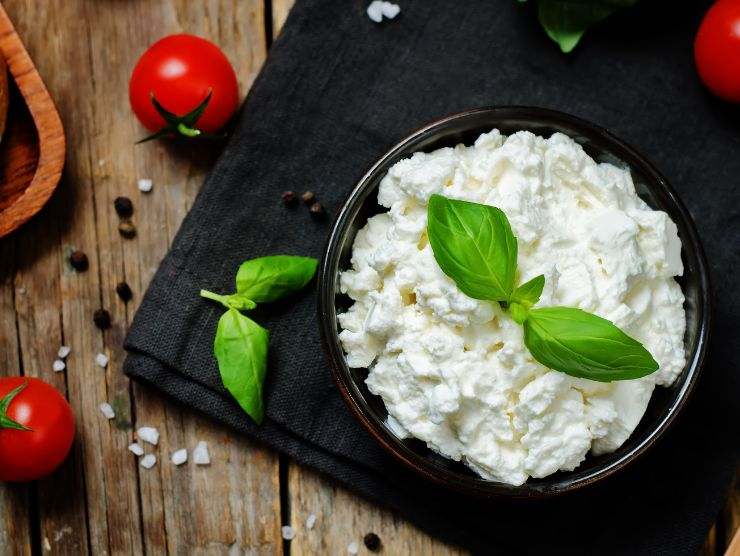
[(352, 548), (288, 532), (58, 365), (389, 9), (200, 454), (145, 186), (102, 360), (180, 456), (311, 521), (148, 434), (63, 352), (375, 11), (136, 449), (107, 410), (148, 461)]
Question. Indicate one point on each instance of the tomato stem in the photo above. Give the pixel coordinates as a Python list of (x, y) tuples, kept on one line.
[(5, 421), (187, 131), (182, 126)]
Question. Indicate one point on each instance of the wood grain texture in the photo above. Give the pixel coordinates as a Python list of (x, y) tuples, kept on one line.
[(42, 163), (280, 10), (235, 501), (3, 94), (15, 533), (342, 518), (730, 518)]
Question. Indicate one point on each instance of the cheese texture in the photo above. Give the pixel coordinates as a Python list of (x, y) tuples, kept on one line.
[(453, 371)]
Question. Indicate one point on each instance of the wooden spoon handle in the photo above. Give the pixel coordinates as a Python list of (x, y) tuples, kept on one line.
[(3, 95)]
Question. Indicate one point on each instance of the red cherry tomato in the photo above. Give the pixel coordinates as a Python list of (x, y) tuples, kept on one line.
[(32, 452), (180, 71), (717, 50)]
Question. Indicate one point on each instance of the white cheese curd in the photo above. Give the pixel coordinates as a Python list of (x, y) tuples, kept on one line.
[(453, 371)]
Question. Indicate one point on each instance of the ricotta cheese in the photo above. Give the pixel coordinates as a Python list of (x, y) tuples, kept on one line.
[(453, 371)]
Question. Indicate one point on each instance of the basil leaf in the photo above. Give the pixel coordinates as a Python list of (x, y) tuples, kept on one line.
[(474, 245), (271, 278), (565, 21), (583, 345), (518, 312), (241, 351), (234, 300), (529, 293)]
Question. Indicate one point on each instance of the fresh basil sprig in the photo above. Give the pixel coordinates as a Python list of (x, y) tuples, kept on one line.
[(240, 345), (565, 21), (474, 245)]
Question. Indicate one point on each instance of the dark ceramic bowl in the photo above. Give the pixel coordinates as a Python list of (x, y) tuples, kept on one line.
[(603, 147)]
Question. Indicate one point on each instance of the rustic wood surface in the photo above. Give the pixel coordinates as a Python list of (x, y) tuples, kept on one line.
[(101, 501)]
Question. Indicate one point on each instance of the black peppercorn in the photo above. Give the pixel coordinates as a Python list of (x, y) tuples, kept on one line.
[(372, 542), (79, 261), (101, 318), (124, 207), (127, 229), (124, 292), (317, 210), (309, 197), (289, 198)]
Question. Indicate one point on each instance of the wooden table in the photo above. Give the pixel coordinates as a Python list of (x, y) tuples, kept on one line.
[(101, 501)]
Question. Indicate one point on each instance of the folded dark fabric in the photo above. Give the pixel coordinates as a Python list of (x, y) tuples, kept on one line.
[(336, 92)]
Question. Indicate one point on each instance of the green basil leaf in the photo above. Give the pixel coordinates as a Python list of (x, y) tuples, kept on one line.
[(565, 21), (518, 312), (241, 351), (234, 300), (583, 345), (528, 294), (474, 245), (270, 278)]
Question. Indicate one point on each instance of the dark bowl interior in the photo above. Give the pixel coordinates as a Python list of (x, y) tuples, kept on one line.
[(603, 147)]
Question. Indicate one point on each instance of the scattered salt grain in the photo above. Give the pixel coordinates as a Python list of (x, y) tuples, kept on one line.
[(58, 366), (107, 410), (148, 434), (63, 352), (148, 461), (390, 10), (311, 521), (375, 11), (288, 532), (145, 186), (352, 548), (136, 449), (180, 456), (379, 9), (102, 360), (200, 454)]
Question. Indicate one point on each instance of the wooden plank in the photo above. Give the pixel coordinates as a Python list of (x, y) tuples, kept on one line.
[(15, 534), (280, 9), (731, 515), (343, 518), (235, 501), (710, 547), (110, 494)]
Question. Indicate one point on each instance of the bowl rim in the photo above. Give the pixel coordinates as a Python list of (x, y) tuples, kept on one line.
[(478, 486)]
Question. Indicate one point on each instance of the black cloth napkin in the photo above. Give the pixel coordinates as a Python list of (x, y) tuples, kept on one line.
[(336, 92)]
